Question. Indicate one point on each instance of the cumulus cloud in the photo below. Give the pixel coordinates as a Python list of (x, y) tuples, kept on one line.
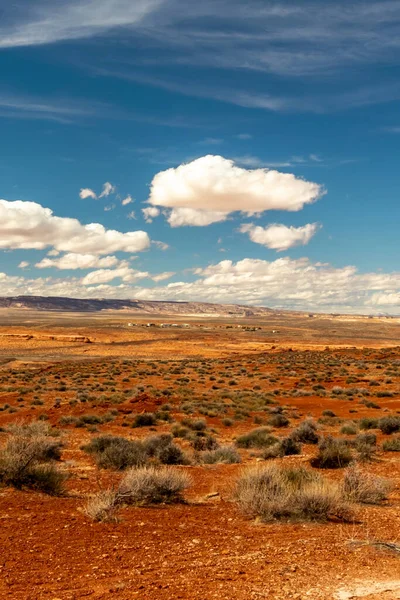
[(280, 237), (108, 189), (178, 217), (73, 261), (23, 264), (127, 200), (209, 189), (283, 283), (87, 193), (163, 276), (29, 225), (124, 272), (386, 299), (150, 213)]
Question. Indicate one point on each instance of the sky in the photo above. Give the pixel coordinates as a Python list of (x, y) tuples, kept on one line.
[(229, 151)]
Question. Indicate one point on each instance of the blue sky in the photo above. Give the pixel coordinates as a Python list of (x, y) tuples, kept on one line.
[(261, 140)]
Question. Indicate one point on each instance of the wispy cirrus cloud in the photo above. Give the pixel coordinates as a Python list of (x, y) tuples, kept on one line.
[(41, 22), (294, 39)]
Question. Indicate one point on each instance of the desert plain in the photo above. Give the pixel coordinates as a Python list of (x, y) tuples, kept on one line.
[(226, 394)]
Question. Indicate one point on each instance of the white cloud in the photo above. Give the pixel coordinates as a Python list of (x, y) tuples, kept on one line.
[(161, 245), (108, 189), (179, 217), (386, 299), (127, 200), (280, 237), (150, 213), (163, 276), (73, 261), (209, 189), (87, 193), (285, 283), (243, 136), (28, 225), (23, 264), (44, 23), (131, 215), (124, 272)]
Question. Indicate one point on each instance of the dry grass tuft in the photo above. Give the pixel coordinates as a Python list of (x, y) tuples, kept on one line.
[(274, 492), (140, 487), (365, 488)]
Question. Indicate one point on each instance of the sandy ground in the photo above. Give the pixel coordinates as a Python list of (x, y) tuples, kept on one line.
[(205, 548)]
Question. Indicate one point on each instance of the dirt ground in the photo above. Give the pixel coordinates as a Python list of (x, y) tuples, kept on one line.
[(63, 368)]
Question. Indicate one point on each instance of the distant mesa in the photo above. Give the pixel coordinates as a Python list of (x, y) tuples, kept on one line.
[(149, 307)]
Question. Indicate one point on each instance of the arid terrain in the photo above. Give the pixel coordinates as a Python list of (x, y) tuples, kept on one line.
[(232, 393)]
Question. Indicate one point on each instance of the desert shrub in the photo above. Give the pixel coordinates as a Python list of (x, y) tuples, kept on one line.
[(195, 424), (365, 438), (33, 429), (369, 423), (140, 487), (144, 420), (149, 485), (333, 453), (200, 442), (285, 447), (365, 444), (328, 413), (278, 421), (365, 488), (224, 454), (162, 448), (155, 443), (306, 432), (102, 506), (273, 492), (227, 422), (114, 452), (348, 429), (89, 420), (179, 431), (68, 420), (389, 425), (23, 465), (392, 445), (257, 438)]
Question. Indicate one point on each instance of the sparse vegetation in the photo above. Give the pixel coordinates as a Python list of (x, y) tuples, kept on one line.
[(365, 488), (273, 492), (139, 487), (333, 453)]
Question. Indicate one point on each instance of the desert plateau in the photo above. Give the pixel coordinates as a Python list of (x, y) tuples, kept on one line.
[(216, 401)]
